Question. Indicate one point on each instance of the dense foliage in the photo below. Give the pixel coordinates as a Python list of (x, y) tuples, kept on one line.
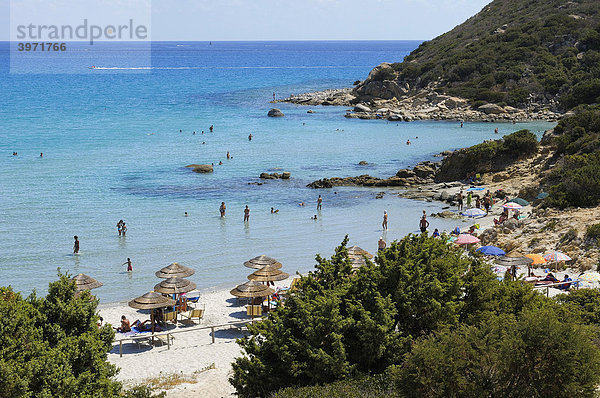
[(421, 304), (490, 156), (514, 52), (575, 180), (52, 347)]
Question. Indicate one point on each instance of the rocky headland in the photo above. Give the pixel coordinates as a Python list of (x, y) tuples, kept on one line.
[(379, 98)]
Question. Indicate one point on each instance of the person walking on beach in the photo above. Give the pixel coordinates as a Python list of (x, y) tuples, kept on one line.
[(222, 209), (319, 203), (381, 244), (76, 245), (246, 214), (459, 198), (128, 262), (423, 224), (469, 199), (384, 224)]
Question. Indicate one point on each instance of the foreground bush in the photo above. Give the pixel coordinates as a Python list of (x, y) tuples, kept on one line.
[(51, 346)]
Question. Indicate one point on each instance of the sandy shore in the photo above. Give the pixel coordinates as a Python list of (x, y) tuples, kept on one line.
[(205, 366)]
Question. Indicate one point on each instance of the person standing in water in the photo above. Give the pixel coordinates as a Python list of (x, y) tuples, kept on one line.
[(228, 157), (123, 229), (384, 224), (423, 224), (211, 128), (128, 262), (246, 214), (250, 137), (381, 245), (76, 245), (222, 209), (120, 227), (319, 203)]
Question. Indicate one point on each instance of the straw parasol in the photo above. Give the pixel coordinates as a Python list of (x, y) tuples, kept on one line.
[(268, 274), (357, 256), (84, 282), (252, 289), (151, 301), (514, 262), (175, 286), (175, 270), (262, 261)]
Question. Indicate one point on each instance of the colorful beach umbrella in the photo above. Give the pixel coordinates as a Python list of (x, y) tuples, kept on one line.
[(537, 259), (491, 251), (520, 201), (512, 206), (466, 239), (590, 277), (474, 212), (475, 189), (556, 257)]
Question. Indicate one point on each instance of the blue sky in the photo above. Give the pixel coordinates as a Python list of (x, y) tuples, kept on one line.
[(281, 19)]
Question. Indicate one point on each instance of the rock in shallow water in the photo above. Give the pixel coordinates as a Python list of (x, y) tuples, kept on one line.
[(275, 113), (201, 168)]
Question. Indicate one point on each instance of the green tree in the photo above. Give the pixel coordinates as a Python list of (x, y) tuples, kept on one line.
[(334, 326), (51, 347)]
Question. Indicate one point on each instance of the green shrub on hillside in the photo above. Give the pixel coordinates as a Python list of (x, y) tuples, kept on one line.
[(592, 234), (515, 52)]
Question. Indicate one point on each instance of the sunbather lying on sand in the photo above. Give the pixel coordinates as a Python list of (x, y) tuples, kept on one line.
[(146, 326)]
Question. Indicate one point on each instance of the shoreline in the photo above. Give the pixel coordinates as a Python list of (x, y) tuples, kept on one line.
[(425, 104)]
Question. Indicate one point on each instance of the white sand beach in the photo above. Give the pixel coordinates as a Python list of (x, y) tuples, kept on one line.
[(205, 365)]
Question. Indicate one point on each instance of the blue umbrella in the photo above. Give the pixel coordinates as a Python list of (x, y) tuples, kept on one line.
[(474, 212), (520, 201), (491, 251), (542, 195), (475, 189)]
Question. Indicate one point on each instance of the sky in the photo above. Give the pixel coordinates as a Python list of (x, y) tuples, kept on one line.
[(216, 20)]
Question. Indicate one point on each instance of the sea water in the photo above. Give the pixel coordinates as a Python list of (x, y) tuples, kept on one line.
[(113, 150)]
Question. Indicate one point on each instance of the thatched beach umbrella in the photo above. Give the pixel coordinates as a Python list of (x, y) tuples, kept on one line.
[(252, 289), (151, 301), (175, 270), (268, 274), (175, 286), (84, 282), (514, 262), (261, 262), (357, 256)]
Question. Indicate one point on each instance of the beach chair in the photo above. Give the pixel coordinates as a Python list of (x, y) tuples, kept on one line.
[(294, 283), (170, 316), (194, 313), (254, 310)]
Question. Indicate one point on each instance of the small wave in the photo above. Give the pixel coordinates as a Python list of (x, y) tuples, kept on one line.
[(226, 67)]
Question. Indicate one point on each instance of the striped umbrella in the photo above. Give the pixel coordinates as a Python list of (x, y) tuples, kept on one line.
[(556, 257), (512, 206)]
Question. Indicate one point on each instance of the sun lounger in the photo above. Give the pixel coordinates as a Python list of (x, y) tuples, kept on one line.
[(170, 316), (254, 310), (194, 314)]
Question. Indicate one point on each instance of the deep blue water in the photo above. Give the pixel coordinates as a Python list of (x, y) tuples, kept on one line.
[(113, 150)]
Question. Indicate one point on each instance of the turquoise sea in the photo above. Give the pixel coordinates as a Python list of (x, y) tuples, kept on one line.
[(113, 150)]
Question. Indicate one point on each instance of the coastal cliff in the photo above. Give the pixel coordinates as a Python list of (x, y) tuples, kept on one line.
[(514, 60)]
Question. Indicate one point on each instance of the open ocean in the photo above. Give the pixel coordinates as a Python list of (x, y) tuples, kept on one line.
[(113, 150)]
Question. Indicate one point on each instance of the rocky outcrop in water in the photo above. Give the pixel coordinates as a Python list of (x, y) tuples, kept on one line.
[(201, 168), (273, 176), (422, 173), (275, 113)]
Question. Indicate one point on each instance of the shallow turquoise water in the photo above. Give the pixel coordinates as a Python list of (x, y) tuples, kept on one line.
[(113, 150)]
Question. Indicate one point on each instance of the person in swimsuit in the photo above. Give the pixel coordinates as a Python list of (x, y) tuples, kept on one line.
[(459, 198), (228, 157), (123, 229), (423, 224), (76, 245), (120, 226), (128, 262), (211, 128), (384, 224), (250, 137), (146, 326), (246, 214), (125, 325), (222, 209), (319, 202), (381, 245)]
